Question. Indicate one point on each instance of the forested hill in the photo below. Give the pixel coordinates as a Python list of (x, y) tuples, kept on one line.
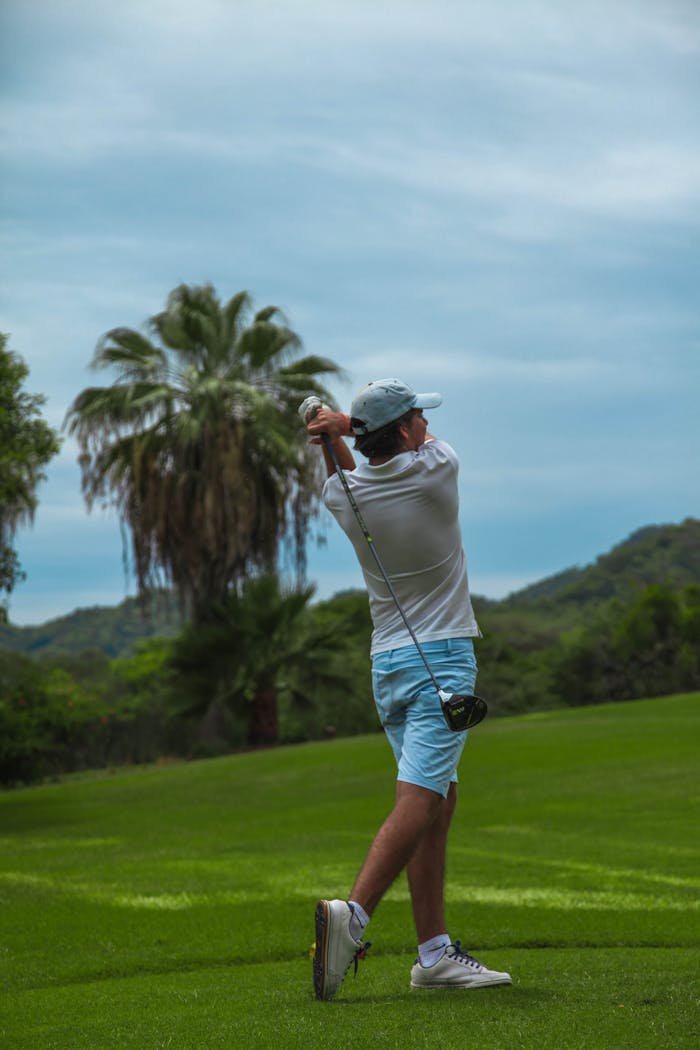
[(113, 630), (663, 554)]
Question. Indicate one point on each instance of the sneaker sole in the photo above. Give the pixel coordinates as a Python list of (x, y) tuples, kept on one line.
[(436, 987), (319, 965)]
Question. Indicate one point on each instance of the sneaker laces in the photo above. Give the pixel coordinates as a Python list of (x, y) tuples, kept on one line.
[(361, 953), (459, 955)]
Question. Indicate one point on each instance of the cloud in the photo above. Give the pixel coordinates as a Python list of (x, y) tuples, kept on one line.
[(468, 366), (584, 152), (558, 371), (639, 180)]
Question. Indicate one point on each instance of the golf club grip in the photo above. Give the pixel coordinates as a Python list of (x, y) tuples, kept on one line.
[(370, 542)]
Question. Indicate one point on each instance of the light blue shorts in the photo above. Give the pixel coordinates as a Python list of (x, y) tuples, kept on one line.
[(427, 751)]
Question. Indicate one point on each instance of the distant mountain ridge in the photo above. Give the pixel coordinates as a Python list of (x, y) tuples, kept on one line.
[(663, 554), (113, 630)]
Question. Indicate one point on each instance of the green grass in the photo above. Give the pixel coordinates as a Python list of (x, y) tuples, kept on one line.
[(173, 906)]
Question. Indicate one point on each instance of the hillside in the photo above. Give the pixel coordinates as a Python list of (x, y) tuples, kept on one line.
[(663, 554), (114, 630), (532, 617)]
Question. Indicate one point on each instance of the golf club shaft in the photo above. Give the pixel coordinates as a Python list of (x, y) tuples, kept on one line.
[(370, 543)]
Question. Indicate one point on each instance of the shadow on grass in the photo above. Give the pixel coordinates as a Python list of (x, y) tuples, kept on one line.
[(513, 997)]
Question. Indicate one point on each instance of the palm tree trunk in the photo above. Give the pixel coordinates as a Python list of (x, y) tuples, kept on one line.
[(211, 732), (263, 725)]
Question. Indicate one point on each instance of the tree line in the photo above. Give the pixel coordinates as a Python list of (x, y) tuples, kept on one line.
[(270, 667)]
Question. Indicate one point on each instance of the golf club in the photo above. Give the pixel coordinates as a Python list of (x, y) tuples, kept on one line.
[(461, 711)]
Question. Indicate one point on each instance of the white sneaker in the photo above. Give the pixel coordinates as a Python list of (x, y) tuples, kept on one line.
[(456, 969), (336, 949)]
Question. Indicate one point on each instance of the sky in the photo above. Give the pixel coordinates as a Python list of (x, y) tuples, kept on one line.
[(497, 200)]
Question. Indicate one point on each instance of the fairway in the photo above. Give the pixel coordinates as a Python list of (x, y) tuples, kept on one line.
[(173, 906)]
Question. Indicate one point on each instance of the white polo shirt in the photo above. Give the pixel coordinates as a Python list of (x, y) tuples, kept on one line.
[(410, 506)]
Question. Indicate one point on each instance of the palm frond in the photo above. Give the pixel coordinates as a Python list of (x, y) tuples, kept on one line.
[(130, 352), (267, 313), (96, 409), (263, 344), (313, 365), (233, 315)]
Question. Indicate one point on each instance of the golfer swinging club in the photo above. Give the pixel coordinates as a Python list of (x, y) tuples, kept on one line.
[(407, 494)]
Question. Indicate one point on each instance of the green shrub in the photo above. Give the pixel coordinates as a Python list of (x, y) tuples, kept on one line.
[(51, 722)]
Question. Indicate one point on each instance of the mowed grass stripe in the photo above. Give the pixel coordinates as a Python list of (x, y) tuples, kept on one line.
[(575, 837), (562, 998)]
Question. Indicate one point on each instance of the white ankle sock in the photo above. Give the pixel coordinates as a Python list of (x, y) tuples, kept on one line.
[(358, 919), (432, 951)]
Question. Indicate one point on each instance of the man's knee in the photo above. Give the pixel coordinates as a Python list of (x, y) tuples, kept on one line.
[(423, 802)]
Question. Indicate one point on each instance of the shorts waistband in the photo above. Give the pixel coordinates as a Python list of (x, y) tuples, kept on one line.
[(439, 645)]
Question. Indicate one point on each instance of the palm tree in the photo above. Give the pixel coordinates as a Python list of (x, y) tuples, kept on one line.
[(259, 644), (197, 442)]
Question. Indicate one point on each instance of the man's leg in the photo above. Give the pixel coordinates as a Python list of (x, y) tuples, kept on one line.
[(337, 942), (440, 964), (414, 813), (426, 872), (426, 752)]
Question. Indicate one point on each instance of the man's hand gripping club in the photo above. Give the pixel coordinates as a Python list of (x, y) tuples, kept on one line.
[(320, 419), (327, 428)]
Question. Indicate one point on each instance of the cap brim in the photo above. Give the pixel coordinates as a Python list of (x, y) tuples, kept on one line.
[(427, 400)]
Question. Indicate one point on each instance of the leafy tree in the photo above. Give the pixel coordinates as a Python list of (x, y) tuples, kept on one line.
[(198, 445), (690, 632), (259, 644), (649, 647), (647, 642), (27, 444), (23, 738)]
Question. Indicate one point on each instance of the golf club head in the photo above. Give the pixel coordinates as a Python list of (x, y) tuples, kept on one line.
[(462, 710)]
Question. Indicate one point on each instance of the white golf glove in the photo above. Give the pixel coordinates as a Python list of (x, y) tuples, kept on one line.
[(310, 407)]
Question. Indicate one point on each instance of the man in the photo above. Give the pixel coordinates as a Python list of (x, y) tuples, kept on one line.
[(407, 493)]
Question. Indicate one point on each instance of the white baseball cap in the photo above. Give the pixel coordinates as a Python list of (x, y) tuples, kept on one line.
[(385, 400)]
